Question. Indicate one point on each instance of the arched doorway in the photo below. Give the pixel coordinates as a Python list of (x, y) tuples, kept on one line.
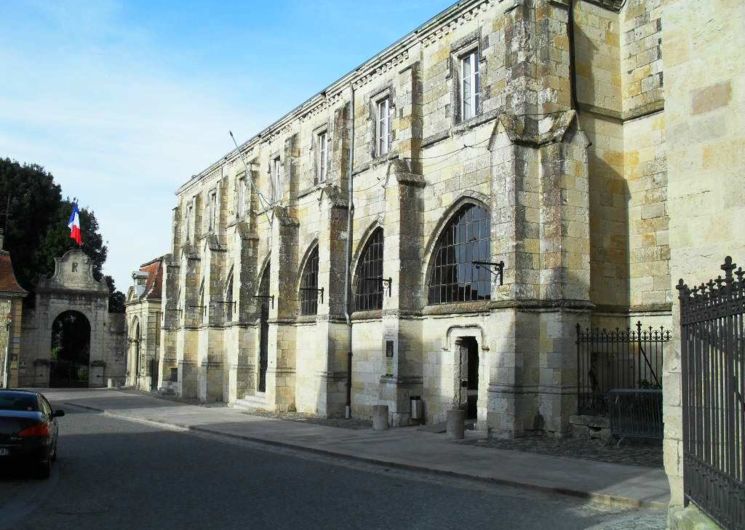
[(71, 340), (468, 375)]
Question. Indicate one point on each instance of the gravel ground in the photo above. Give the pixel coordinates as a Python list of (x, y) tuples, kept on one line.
[(629, 452)]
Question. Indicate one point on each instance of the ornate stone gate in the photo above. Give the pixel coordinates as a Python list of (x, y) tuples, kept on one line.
[(72, 288)]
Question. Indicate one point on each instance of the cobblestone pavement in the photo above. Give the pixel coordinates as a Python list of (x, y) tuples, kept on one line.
[(352, 423), (629, 452)]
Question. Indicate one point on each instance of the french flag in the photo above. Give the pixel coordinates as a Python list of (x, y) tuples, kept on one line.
[(74, 225)]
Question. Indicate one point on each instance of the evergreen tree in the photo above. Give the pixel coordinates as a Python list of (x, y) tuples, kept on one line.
[(37, 231)]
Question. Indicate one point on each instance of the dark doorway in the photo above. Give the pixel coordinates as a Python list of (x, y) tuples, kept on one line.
[(263, 329), (468, 350), (154, 375), (71, 339)]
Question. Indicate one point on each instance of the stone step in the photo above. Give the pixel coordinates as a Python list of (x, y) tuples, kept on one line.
[(252, 402)]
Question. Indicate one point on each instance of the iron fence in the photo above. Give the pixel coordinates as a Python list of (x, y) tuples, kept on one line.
[(617, 359), (636, 413), (713, 385)]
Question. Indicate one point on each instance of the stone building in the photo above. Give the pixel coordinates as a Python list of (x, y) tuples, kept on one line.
[(468, 142), (144, 317), (591, 147), (69, 338), (11, 315)]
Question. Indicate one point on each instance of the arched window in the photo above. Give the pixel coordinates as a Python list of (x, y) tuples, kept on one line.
[(309, 285), (229, 299), (368, 291), (465, 239)]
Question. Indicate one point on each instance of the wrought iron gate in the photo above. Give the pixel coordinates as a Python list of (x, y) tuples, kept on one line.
[(617, 359), (713, 377)]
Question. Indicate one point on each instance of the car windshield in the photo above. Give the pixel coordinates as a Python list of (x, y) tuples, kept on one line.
[(14, 401)]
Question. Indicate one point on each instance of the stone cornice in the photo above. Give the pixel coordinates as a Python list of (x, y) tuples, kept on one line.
[(428, 33)]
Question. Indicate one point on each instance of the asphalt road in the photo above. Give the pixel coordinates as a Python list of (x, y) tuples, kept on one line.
[(114, 474)]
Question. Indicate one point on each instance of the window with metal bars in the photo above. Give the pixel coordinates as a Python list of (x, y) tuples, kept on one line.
[(309, 285), (368, 290), (465, 239)]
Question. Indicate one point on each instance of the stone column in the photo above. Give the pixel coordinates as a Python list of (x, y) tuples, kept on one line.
[(188, 336), (280, 375), (401, 341), (331, 328)]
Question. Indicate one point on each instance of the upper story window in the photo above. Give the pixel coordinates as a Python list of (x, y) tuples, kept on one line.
[(187, 221), (382, 126), (368, 291), (276, 175), (241, 197), (309, 285), (212, 211), (470, 85), (322, 156), (465, 239)]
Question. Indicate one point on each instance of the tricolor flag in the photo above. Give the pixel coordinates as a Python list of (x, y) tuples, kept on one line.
[(74, 225)]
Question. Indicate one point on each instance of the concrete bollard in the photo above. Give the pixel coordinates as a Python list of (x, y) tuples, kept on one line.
[(456, 425), (380, 417)]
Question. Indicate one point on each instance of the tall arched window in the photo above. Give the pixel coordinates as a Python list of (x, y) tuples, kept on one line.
[(229, 298), (368, 290), (453, 276), (309, 285)]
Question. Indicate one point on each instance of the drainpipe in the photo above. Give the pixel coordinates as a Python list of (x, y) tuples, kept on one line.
[(348, 260), (572, 58)]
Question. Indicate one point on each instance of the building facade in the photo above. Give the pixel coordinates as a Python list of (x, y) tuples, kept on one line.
[(144, 317), (526, 133)]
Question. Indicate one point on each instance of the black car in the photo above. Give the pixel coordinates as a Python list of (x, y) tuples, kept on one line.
[(28, 430)]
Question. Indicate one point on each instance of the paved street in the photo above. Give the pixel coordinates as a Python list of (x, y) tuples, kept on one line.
[(120, 474)]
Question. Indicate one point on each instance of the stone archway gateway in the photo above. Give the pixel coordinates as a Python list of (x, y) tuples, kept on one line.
[(70, 355), (70, 338)]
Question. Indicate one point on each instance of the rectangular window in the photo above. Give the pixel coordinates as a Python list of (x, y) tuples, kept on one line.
[(212, 211), (383, 126), (240, 207), (470, 85), (276, 174), (187, 221), (322, 160)]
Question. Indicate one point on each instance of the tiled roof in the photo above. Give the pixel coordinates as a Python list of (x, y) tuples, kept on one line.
[(153, 286), (8, 282)]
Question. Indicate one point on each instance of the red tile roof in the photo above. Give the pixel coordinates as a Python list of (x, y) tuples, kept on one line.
[(8, 282), (153, 286)]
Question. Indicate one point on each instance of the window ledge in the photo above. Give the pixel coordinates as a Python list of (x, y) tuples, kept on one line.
[(373, 314), (306, 319), (470, 123), (454, 308)]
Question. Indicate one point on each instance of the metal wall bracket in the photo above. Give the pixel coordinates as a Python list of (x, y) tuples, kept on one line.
[(496, 269)]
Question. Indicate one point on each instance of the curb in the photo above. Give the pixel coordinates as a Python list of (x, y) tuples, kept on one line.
[(613, 501)]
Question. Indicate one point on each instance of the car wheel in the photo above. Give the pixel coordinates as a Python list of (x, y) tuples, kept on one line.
[(43, 469)]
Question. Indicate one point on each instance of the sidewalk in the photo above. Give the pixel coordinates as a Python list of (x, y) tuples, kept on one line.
[(408, 448)]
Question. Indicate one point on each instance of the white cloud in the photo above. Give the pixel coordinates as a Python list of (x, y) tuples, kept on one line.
[(97, 109)]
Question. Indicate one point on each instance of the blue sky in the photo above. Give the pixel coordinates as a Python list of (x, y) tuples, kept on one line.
[(124, 100)]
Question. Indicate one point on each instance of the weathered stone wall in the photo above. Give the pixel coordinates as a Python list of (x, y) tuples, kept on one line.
[(705, 152)]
